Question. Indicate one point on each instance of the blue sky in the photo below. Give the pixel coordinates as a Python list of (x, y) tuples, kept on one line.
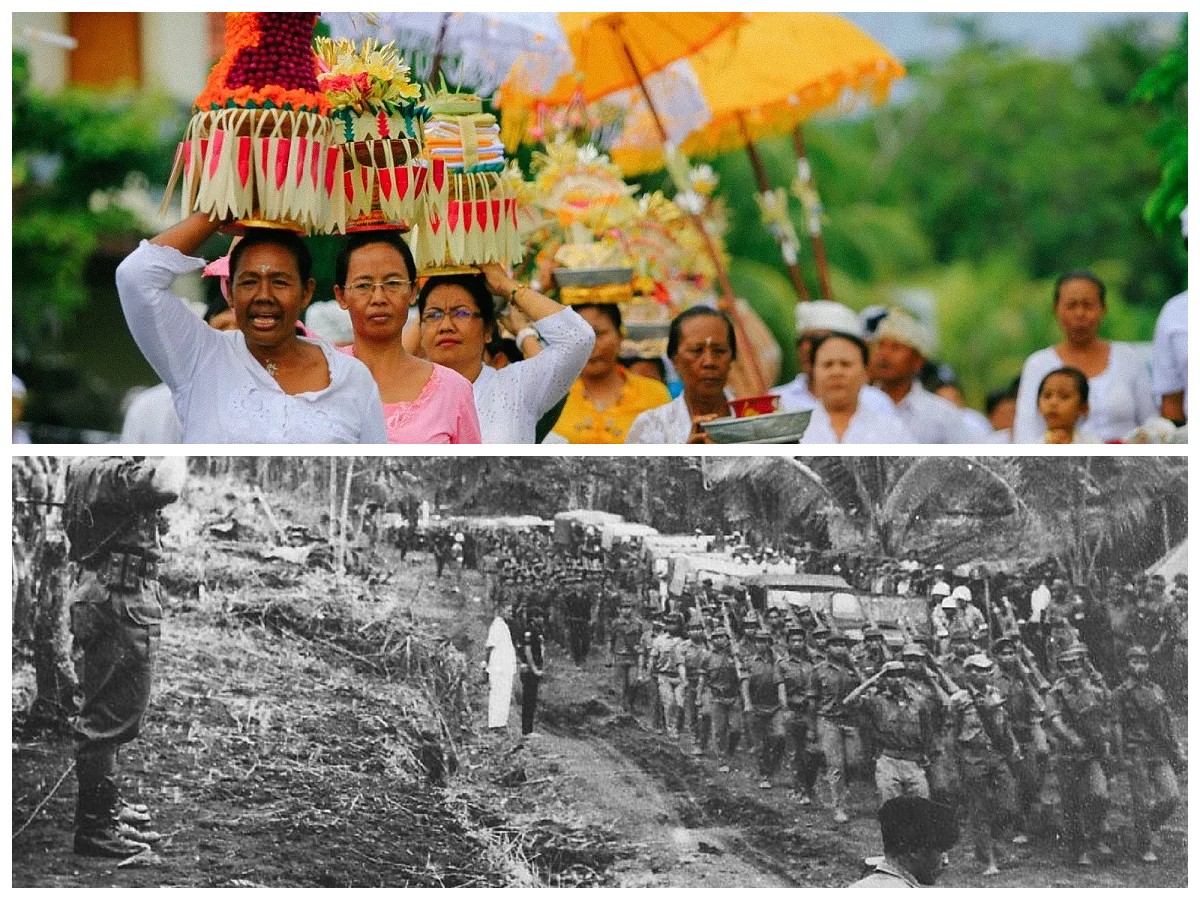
[(910, 35)]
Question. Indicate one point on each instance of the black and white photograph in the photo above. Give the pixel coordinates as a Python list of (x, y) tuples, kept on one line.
[(599, 671)]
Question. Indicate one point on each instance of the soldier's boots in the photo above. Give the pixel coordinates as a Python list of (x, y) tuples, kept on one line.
[(135, 814), (107, 843), (142, 835)]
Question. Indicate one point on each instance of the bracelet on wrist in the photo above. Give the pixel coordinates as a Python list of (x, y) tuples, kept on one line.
[(517, 288), (528, 333)]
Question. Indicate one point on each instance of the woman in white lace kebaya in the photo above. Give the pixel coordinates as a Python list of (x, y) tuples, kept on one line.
[(262, 383), (1120, 395), (458, 320)]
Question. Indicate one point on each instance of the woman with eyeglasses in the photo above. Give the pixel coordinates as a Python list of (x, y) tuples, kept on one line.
[(260, 384), (458, 321), (702, 346), (423, 402)]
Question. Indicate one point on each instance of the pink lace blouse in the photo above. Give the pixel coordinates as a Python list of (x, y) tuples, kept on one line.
[(443, 413)]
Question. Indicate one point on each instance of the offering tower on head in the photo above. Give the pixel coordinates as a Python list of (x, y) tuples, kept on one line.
[(258, 148)]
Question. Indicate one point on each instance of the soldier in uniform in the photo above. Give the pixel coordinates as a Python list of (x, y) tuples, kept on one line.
[(112, 520), (874, 652), (834, 678), (1020, 688), (694, 655), (650, 637), (1078, 716), (902, 727), (666, 668), (578, 603), (768, 698), (624, 641), (1148, 750), (727, 697), (917, 834), (927, 683), (800, 717), (986, 748)]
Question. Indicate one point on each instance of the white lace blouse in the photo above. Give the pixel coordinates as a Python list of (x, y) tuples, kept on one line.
[(222, 394), (510, 401), (1119, 398)]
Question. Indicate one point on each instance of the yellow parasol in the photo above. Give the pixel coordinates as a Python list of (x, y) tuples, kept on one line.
[(765, 79)]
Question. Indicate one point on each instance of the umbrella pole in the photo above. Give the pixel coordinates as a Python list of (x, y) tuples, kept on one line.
[(436, 68), (764, 185), (728, 302), (814, 219)]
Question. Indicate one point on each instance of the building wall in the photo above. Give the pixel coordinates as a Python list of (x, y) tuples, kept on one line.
[(165, 51)]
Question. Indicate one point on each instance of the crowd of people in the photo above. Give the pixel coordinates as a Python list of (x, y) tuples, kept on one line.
[(1052, 691), (481, 357)]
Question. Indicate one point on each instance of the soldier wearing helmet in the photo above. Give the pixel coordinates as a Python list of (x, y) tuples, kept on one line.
[(1149, 750), (985, 748), (1078, 718)]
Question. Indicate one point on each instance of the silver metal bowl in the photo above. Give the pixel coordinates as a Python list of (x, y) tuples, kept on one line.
[(592, 277), (645, 331), (770, 428)]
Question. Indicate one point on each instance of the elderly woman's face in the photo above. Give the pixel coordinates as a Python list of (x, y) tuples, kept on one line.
[(704, 355), (452, 332), (838, 374), (1079, 309), (267, 295)]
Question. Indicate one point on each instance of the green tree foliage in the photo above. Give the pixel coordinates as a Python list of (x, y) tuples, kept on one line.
[(1165, 86), (66, 148)]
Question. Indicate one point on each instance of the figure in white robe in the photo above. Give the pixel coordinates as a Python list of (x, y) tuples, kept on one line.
[(501, 666)]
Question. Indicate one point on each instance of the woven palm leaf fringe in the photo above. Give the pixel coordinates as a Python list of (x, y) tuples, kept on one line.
[(270, 165)]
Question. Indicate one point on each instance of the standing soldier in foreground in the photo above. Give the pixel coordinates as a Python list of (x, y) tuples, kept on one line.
[(1149, 750), (111, 518), (769, 698)]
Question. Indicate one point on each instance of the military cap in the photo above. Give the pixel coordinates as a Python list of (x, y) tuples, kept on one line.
[(1003, 643), (835, 635), (1073, 654), (1135, 652), (720, 633), (913, 651), (796, 629), (941, 589), (893, 666), (873, 633), (979, 662), (821, 631), (695, 623), (915, 823), (672, 618), (949, 603), (763, 634)]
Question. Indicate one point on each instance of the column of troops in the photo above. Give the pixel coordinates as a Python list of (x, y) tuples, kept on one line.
[(983, 713)]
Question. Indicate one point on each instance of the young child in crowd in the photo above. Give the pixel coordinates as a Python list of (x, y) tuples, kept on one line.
[(1063, 404)]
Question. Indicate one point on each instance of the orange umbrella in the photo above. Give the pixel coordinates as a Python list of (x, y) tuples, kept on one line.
[(617, 50)]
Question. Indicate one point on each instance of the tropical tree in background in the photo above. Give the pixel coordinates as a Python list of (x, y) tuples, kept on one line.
[(1165, 86), (85, 164)]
